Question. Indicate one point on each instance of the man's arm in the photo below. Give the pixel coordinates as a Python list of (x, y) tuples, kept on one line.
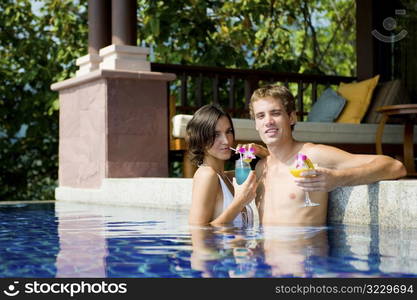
[(370, 168), (341, 168)]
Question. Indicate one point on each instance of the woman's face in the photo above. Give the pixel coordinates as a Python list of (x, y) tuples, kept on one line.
[(223, 140)]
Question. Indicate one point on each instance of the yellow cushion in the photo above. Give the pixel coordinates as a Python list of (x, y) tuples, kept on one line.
[(358, 96)]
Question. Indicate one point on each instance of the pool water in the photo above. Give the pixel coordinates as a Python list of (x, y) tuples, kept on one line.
[(78, 240)]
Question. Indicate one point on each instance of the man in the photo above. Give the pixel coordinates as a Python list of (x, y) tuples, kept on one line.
[(280, 195)]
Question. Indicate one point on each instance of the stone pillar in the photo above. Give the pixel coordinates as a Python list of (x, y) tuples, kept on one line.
[(114, 113), (113, 124)]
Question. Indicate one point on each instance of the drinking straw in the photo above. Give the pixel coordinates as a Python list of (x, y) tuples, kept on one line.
[(241, 159)]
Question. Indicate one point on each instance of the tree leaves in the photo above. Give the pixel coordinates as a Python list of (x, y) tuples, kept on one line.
[(38, 48), (288, 35)]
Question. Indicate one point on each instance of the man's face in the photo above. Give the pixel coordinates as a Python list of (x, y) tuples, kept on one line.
[(272, 121)]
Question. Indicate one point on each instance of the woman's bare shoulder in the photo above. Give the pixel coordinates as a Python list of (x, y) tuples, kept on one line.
[(204, 173), (205, 185)]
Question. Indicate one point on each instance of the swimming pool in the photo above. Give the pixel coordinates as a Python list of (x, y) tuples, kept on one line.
[(65, 239)]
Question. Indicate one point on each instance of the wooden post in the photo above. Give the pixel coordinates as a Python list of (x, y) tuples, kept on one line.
[(124, 21), (364, 39), (99, 25)]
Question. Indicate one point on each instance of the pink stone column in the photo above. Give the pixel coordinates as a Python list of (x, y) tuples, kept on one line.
[(113, 124)]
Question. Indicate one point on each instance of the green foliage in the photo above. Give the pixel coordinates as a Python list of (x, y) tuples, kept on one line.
[(37, 49), (315, 36), (300, 36)]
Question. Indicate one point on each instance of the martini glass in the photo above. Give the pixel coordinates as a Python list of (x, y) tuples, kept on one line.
[(296, 172)]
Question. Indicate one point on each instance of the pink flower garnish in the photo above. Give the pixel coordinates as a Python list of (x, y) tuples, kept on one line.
[(247, 155)]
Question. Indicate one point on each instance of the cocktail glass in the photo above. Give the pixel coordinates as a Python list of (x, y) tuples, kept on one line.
[(296, 172), (242, 170)]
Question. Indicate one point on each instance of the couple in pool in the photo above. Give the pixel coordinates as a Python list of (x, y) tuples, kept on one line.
[(218, 200)]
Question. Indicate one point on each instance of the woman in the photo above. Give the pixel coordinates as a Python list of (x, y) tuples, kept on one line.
[(215, 199)]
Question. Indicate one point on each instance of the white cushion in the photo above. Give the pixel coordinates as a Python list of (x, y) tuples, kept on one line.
[(349, 133), (326, 133), (245, 128)]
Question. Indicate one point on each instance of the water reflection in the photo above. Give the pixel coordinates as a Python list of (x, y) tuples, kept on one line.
[(100, 241), (116, 241), (375, 251), (289, 250), (83, 246), (265, 252), (223, 252)]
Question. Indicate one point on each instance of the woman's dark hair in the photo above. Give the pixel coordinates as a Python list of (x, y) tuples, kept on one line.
[(201, 130)]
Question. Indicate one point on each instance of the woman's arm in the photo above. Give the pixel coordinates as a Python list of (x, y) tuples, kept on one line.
[(206, 187), (244, 194)]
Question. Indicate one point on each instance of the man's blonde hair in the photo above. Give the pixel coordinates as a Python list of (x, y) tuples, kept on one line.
[(277, 92)]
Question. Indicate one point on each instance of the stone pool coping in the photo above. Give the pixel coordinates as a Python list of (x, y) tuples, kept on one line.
[(14, 202), (390, 203)]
